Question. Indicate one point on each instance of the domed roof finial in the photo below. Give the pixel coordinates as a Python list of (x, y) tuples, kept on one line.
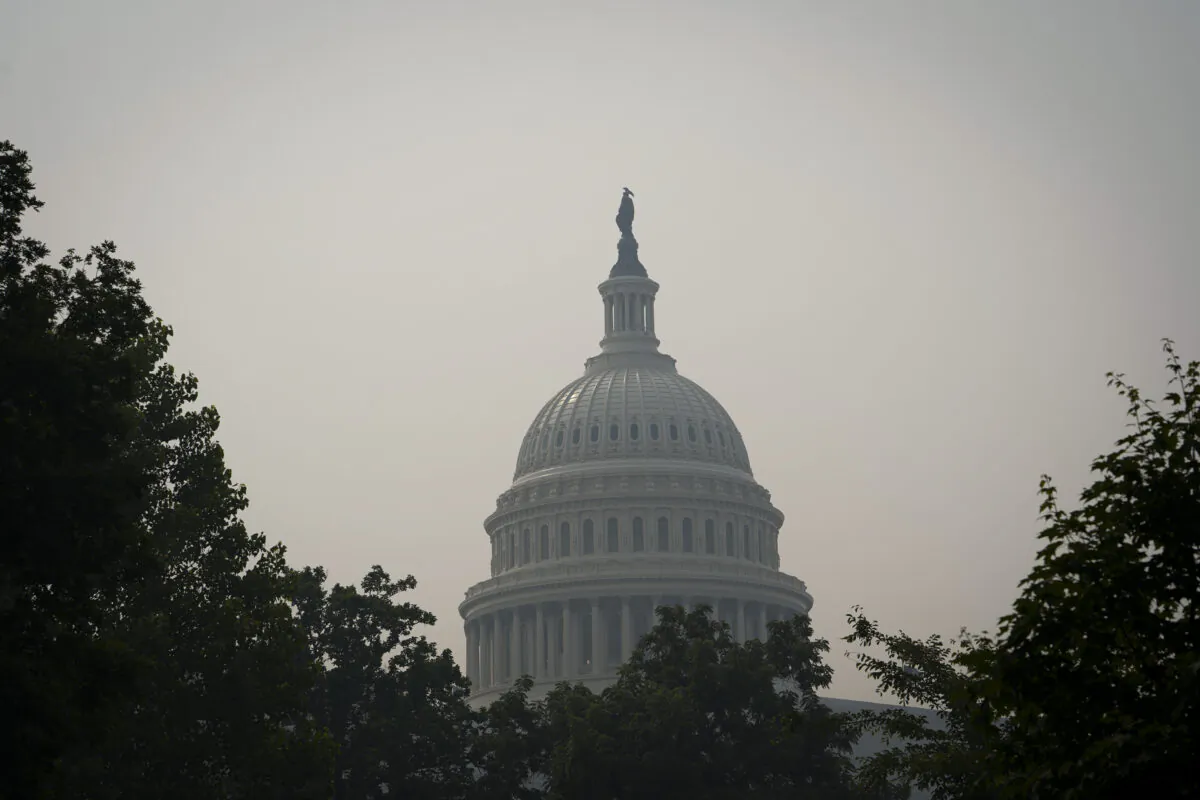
[(627, 247)]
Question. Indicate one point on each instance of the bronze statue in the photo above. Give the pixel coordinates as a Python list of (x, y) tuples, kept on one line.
[(625, 214), (627, 248)]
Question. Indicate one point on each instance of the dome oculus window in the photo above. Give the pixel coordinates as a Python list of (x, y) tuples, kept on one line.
[(654, 431)]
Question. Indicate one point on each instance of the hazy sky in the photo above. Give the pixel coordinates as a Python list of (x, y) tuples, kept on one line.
[(902, 243)]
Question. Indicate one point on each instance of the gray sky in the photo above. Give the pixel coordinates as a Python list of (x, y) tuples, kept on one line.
[(901, 243)]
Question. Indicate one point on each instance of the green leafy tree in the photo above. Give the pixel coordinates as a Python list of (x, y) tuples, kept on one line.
[(696, 714), (1098, 662), (1089, 689), (394, 704), (71, 487), (147, 642), (952, 756)]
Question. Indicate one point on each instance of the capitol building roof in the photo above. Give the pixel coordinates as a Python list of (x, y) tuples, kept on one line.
[(636, 412)]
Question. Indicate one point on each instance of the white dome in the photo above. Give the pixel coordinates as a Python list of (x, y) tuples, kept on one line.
[(631, 412), (632, 491)]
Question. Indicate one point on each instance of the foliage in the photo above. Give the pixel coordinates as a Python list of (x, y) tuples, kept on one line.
[(393, 703), (948, 759), (1090, 687), (1098, 660), (148, 644), (696, 714), (71, 487)]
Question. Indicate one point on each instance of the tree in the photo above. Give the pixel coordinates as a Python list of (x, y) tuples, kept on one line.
[(696, 714), (952, 759), (395, 705), (1098, 661), (1090, 687), (72, 347), (147, 641)]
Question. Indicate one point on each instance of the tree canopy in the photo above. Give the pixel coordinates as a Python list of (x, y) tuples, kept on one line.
[(1089, 689)]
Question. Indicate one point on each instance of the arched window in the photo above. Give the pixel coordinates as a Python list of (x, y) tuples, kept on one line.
[(633, 431), (564, 540), (544, 543), (639, 535), (691, 433), (654, 431), (613, 534), (664, 535), (687, 535), (512, 550), (526, 556), (710, 537), (614, 431), (730, 544), (558, 438), (746, 541), (674, 432), (762, 544), (594, 433), (707, 436), (589, 537), (575, 435)]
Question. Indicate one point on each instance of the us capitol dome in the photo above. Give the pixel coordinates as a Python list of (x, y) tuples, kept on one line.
[(632, 490)]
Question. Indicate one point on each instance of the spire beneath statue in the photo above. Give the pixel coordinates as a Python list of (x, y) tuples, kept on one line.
[(627, 247), (628, 295)]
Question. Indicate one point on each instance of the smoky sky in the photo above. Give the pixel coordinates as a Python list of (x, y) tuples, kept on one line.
[(901, 243)]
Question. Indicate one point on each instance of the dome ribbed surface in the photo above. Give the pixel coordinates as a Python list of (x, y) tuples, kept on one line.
[(630, 412)]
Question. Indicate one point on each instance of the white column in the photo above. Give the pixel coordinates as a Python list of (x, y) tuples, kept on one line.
[(762, 621), (597, 637), (473, 652), (539, 648), (514, 645), (626, 630), (567, 660), (741, 621), (489, 661)]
